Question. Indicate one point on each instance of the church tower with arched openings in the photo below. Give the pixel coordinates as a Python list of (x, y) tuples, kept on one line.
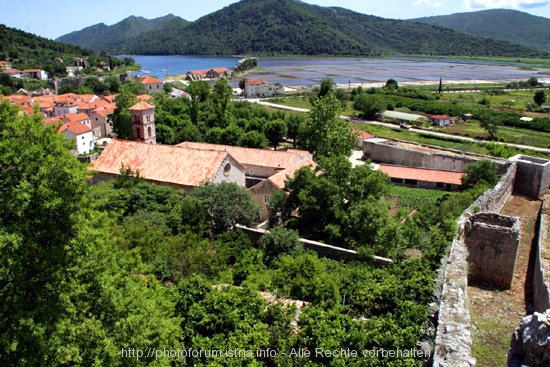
[(143, 122)]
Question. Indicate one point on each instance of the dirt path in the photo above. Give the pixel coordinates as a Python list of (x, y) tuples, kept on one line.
[(495, 313)]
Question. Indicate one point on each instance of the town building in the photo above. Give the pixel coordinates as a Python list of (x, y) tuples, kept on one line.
[(439, 120), (262, 191), (151, 84), (35, 74), (143, 122), (82, 135), (259, 163), (5, 65), (254, 88), (168, 165), (214, 73), (422, 177)]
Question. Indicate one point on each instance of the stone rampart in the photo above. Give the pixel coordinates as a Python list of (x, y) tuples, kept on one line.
[(536, 174), (453, 343), (492, 241), (541, 276)]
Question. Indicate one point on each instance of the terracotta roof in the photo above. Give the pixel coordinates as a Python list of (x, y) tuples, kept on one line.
[(143, 97), (53, 120), (363, 134), (11, 71), (280, 177), (422, 174), (198, 72), (76, 117), (75, 128), (141, 106), (220, 70), (161, 163), (439, 117), (149, 80), (105, 110), (251, 156), (254, 82)]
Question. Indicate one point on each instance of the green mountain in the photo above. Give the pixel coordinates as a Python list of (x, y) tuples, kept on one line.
[(291, 27), (502, 24), (25, 50), (101, 37)]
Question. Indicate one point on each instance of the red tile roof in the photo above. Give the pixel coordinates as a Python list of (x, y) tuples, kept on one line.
[(161, 163), (439, 117), (363, 134), (149, 80), (251, 156), (280, 177), (141, 106), (76, 117), (422, 174), (254, 82), (11, 71), (75, 128)]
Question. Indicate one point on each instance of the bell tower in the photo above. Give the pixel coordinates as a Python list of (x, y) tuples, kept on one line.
[(143, 122)]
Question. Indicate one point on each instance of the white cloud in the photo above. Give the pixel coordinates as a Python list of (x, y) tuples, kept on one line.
[(428, 3), (491, 4)]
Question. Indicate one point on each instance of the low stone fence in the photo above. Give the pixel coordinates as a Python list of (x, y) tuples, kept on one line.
[(322, 249)]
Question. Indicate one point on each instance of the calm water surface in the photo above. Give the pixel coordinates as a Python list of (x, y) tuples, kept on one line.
[(298, 71)]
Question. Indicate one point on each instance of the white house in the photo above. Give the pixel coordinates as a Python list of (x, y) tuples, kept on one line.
[(81, 133), (35, 74), (256, 88)]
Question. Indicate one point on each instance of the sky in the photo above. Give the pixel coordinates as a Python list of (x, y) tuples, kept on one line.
[(52, 19)]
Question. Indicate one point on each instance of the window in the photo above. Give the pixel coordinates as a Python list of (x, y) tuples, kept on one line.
[(266, 198), (149, 132), (439, 185), (226, 169), (411, 182)]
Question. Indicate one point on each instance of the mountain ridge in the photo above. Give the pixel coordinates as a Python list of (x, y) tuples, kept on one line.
[(291, 27), (519, 27)]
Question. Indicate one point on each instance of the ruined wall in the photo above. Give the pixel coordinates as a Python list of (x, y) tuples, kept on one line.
[(492, 241), (541, 276), (536, 174), (322, 249), (453, 343), (420, 155)]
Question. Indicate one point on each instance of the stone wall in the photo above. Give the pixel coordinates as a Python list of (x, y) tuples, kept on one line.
[(536, 172), (421, 155), (453, 343), (541, 276), (492, 241), (322, 249)]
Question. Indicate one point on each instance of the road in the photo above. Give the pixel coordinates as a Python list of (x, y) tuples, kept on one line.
[(392, 126)]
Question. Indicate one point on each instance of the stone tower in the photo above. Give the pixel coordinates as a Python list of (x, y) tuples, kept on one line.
[(143, 122)]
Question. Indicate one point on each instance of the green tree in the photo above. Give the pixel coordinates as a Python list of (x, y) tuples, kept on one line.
[(221, 95), (293, 123), (199, 92), (323, 133), (227, 204), (275, 132), (369, 105), (66, 297), (540, 97), (392, 84), (122, 123), (277, 242), (327, 84), (483, 171)]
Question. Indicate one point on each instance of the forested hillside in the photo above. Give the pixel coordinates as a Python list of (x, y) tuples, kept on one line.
[(288, 27), (502, 24), (101, 37), (25, 50)]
